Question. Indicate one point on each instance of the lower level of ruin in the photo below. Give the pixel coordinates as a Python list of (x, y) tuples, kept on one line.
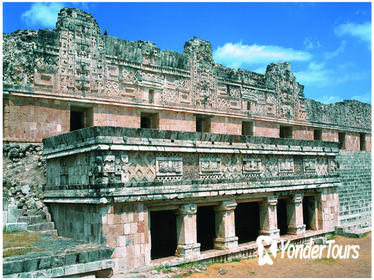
[(156, 196), (149, 233)]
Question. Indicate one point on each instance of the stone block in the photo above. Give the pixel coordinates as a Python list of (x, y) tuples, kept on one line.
[(12, 213), (44, 262), (12, 267), (93, 266), (42, 274), (74, 269), (121, 241), (71, 258), (30, 265), (127, 228), (57, 261), (83, 257), (106, 253), (93, 255), (14, 227), (57, 272)]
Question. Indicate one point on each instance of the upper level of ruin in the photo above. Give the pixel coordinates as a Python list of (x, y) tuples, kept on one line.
[(76, 60)]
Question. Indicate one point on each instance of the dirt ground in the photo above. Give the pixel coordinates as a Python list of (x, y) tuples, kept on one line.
[(296, 268)]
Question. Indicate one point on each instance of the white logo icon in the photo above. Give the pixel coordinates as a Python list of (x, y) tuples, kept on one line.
[(264, 257)]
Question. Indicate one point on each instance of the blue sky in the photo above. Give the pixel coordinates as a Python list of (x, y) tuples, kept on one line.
[(328, 44)]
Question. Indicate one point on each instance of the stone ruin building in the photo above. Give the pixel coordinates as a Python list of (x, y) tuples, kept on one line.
[(169, 157)]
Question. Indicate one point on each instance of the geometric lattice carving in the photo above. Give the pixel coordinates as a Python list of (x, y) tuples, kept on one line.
[(142, 167)]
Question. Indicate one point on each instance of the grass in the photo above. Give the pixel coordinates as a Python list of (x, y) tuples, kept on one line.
[(19, 251), (163, 268), (19, 243)]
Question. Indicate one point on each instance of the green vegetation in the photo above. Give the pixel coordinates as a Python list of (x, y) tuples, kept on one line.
[(19, 243)]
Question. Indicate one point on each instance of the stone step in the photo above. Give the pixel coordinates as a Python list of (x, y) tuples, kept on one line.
[(41, 226), (35, 219), (52, 232)]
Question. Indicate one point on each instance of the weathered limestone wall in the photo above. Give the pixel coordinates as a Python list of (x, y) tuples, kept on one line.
[(126, 229), (352, 141), (330, 208), (266, 129), (176, 121), (330, 135), (226, 125), (355, 193), (116, 116), (300, 132), (32, 119), (80, 221)]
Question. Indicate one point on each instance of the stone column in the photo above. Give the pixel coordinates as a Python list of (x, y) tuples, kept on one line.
[(186, 231), (268, 217), (225, 225), (295, 215)]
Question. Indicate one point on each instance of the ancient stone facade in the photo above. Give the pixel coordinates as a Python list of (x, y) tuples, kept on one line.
[(113, 180), (73, 76), (171, 153)]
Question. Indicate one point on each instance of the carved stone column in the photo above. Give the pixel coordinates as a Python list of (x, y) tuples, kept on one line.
[(295, 215), (268, 217), (225, 225), (186, 231)]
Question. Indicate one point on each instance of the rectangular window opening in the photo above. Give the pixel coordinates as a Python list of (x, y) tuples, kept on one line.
[(202, 124), (149, 120), (248, 105), (362, 142), (247, 128), (341, 140), (317, 134), (285, 131), (80, 117), (151, 96)]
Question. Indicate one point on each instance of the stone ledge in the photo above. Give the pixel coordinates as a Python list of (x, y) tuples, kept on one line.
[(65, 270)]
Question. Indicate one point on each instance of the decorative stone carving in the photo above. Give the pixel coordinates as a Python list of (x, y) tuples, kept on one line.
[(110, 169), (286, 165), (169, 166), (187, 209), (210, 166), (252, 166), (227, 205), (309, 165)]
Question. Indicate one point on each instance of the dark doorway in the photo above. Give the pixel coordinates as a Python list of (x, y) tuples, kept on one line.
[(317, 133), (76, 120), (80, 117), (362, 142), (285, 131), (163, 234), (247, 128), (282, 216), (341, 140), (149, 120), (206, 231), (308, 211), (202, 124), (247, 221)]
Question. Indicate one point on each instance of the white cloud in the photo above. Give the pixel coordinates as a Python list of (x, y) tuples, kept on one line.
[(338, 51), (309, 45), (44, 14), (361, 31), (328, 99), (315, 75), (235, 55), (366, 97)]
